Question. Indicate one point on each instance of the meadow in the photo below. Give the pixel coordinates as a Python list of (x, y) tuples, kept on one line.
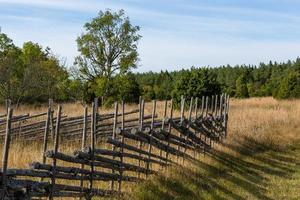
[(260, 159)]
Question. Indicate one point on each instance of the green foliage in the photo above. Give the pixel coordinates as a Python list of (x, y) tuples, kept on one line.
[(241, 87), (108, 46), (290, 86), (195, 83), (120, 87), (127, 88), (108, 49), (29, 74)]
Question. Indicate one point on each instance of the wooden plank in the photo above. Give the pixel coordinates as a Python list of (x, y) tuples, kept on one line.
[(132, 148), (103, 176)]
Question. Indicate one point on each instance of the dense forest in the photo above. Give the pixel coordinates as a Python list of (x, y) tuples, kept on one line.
[(280, 80), (108, 54)]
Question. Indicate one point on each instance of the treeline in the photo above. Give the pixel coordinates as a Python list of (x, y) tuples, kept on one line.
[(103, 68), (33, 74), (280, 80)]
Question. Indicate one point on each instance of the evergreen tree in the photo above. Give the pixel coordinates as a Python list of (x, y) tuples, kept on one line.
[(290, 86), (241, 87)]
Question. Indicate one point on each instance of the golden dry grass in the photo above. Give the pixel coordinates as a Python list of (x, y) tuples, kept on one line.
[(259, 160)]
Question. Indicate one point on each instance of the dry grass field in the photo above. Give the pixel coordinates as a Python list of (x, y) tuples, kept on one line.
[(259, 160)]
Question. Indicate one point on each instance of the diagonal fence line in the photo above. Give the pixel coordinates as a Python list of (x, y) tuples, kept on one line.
[(163, 141)]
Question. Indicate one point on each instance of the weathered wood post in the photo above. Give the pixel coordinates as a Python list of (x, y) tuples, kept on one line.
[(212, 104), (220, 115), (163, 122), (221, 105), (112, 183), (52, 123), (202, 106), (92, 147), (141, 123), (206, 106), (96, 104), (84, 136), (46, 136), (169, 129), (206, 111), (6, 152), (150, 141), (7, 105), (188, 125), (56, 145), (181, 120), (195, 118), (122, 146), (202, 115), (216, 106), (226, 114)]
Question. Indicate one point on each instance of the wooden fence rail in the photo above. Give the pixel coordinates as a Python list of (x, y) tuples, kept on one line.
[(132, 147)]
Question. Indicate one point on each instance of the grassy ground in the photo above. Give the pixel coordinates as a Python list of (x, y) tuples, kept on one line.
[(260, 159)]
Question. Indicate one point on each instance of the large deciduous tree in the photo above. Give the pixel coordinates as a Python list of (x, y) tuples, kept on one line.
[(107, 48)]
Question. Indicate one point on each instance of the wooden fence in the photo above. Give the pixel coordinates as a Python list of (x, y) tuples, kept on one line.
[(134, 145)]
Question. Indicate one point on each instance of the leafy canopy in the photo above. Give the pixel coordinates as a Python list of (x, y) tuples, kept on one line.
[(108, 46)]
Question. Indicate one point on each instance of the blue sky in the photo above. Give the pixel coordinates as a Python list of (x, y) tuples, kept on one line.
[(176, 33)]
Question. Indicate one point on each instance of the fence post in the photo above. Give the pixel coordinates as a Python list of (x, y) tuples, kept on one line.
[(196, 114), (181, 120), (50, 105), (112, 183), (206, 106), (221, 106), (84, 135), (92, 148), (96, 105), (202, 106), (216, 106), (163, 122), (46, 133), (6, 151), (141, 121), (169, 129), (150, 141), (226, 114), (122, 148), (188, 125), (212, 104), (7, 105), (56, 143), (46, 136)]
